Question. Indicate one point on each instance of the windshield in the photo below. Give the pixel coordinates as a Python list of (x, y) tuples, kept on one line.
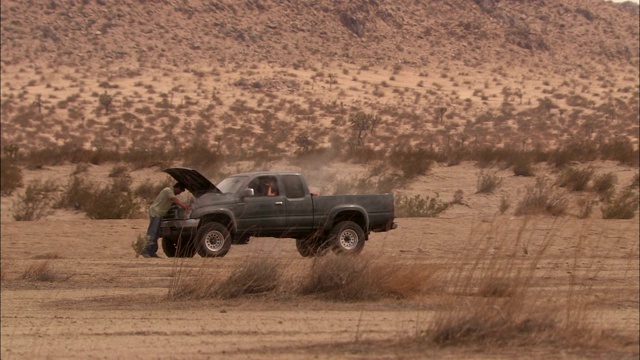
[(231, 185)]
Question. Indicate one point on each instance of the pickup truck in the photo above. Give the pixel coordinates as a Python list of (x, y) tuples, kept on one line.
[(270, 204)]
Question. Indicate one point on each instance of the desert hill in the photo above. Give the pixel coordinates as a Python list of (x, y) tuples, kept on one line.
[(202, 34), (113, 74)]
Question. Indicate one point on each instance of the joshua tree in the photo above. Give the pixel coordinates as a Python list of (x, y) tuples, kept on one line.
[(105, 100), (362, 122), (439, 114), (38, 102)]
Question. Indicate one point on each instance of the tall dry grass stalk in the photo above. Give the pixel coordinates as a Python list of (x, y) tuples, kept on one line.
[(492, 299), (39, 271), (332, 278), (338, 278)]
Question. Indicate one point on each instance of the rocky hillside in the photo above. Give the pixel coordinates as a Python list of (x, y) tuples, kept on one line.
[(439, 74), (192, 33)]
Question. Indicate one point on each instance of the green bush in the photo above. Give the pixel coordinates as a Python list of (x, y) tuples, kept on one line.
[(10, 176), (623, 206), (418, 206)]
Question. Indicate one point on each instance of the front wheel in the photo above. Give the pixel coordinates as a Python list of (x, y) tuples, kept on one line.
[(214, 240), (178, 248), (347, 238)]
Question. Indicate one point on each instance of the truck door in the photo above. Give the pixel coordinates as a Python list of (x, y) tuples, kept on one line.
[(299, 207), (264, 214)]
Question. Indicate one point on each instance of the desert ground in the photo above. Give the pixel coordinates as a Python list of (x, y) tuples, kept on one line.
[(105, 303), (94, 298)]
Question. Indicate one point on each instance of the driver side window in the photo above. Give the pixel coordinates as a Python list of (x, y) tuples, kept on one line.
[(265, 186)]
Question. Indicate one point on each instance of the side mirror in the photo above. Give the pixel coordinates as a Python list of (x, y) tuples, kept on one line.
[(248, 192)]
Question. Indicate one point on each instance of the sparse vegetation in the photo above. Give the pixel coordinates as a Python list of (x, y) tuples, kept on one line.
[(541, 198), (10, 176), (487, 182), (419, 206), (35, 203), (39, 271), (622, 206)]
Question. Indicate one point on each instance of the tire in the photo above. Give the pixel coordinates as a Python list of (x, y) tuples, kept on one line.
[(169, 246), (312, 246), (174, 248), (347, 238), (214, 240)]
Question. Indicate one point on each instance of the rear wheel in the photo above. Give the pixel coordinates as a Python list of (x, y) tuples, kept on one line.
[(214, 240), (346, 238)]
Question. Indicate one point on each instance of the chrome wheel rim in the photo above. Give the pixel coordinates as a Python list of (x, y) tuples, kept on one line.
[(214, 241), (348, 239)]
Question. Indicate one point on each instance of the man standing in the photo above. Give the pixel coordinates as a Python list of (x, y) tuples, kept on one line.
[(157, 210)]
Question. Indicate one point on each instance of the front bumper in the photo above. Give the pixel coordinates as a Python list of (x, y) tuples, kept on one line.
[(179, 227)]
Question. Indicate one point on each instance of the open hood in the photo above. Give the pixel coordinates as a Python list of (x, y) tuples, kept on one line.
[(193, 181)]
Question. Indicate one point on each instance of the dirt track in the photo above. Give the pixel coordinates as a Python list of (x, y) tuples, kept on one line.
[(106, 303)]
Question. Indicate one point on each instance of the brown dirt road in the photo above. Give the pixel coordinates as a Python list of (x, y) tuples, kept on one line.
[(105, 303)]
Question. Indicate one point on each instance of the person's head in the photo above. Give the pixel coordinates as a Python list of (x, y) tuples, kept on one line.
[(178, 188)]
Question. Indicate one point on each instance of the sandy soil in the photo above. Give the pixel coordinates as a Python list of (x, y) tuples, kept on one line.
[(106, 303)]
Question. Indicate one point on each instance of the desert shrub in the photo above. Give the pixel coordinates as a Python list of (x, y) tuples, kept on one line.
[(418, 206), (202, 157), (77, 195), (574, 151), (145, 158), (10, 176), (585, 206), (80, 169), (119, 171), (254, 277), (250, 278), (621, 151), (35, 203), (487, 182), (575, 179), (338, 278), (603, 184), (362, 155), (412, 163), (139, 244), (623, 206), (458, 198), (112, 202), (523, 166), (541, 199), (192, 284), (492, 304), (635, 181), (504, 204), (39, 271)]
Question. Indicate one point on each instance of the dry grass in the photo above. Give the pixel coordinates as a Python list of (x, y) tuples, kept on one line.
[(542, 198), (259, 276), (338, 278), (139, 244), (492, 304), (332, 278), (40, 271)]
